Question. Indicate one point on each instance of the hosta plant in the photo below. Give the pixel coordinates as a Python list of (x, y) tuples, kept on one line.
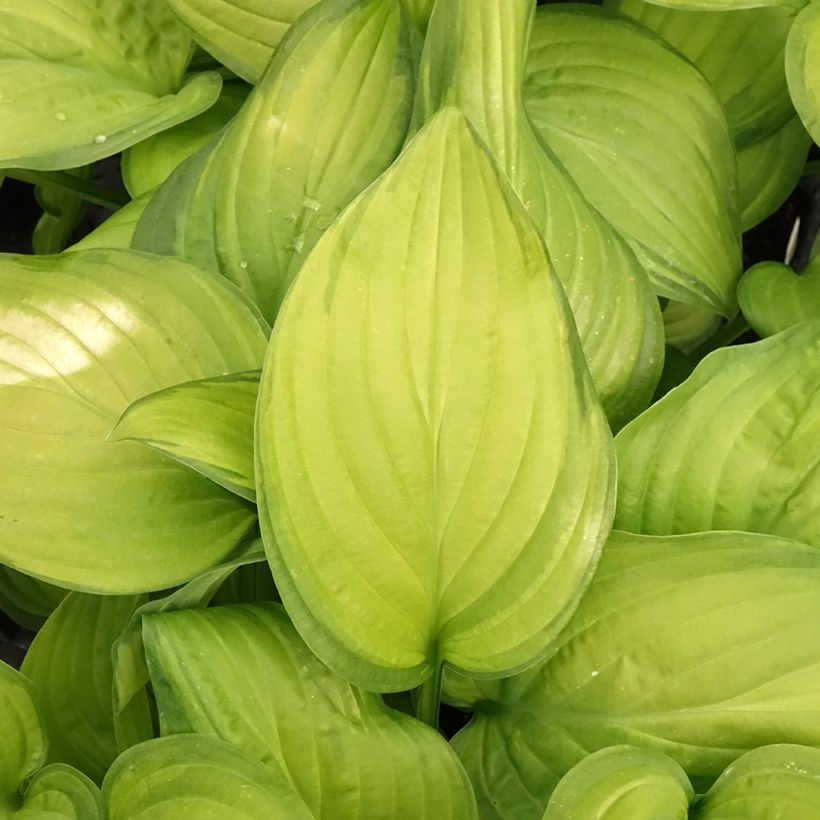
[(408, 441)]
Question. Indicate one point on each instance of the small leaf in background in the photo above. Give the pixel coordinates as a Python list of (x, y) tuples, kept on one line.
[(63, 210), (781, 780), (149, 163), (80, 80), (342, 83), (70, 664), (434, 471), (186, 776), (28, 601), (28, 790), (84, 335), (242, 34), (803, 67), (474, 59), (242, 674), (205, 424), (646, 662), (773, 297), (646, 139), (733, 448), (622, 783), (130, 672), (687, 326)]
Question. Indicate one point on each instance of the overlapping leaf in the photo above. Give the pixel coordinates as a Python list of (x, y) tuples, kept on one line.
[(329, 115), (733, 448), (803, 67), (118, 230), (474, 59), (206, 424), (28, 790), (28, 601), (646, 139), (83, 79), (433, 468), (695, 646), (192, 776), (70, 664), (622, 783), (686, 326), (242, 34), (243, 675), (83, 336)]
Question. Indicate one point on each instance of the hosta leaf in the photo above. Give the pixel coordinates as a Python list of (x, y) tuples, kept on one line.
[(474, 59), (686, 326), (741, 53), (242, 34), (70, 664), (84, 335), (729, 5), (433, 468), (328, 117), (622, 783), (803, 67), (419, 11), (242, 674), (118, 230), (773, 297), (196, 777), (769, 170), (27, 600), (149, 163), (130, 672), (28, 791), (645, 137), (206, 424), (644, 661), (63, 210), (781, 780), (83, 79), (732, 448)]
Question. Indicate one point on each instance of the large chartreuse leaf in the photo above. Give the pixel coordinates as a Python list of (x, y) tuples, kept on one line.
[(434, 470), (773, 297), (84, 335), (197, 778), (206, 424), (242, 34), (645, 137), (780, 781), (70, 663), (28, 790), (732, 448), (622, 783), (27, 600), (83, 79), (740, 52), (803, 67), (474, 59), (242, 674), (130, 671), (328, 117), (695, 646)]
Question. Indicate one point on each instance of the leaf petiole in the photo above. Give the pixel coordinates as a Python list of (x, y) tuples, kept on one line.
[(84, 188), (428, 697)]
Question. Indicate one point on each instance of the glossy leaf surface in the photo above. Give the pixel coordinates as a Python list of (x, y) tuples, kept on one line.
[(732, 448), (433, 468), (85, 335), (206, 424), (252, 208), (646, 139), (242, 674), (196, 777), (773, 297), (803, 67), (70, 664), (474, 59), (242, 34), (83, 79), (781, 780), (645, 662), (622, 783)]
